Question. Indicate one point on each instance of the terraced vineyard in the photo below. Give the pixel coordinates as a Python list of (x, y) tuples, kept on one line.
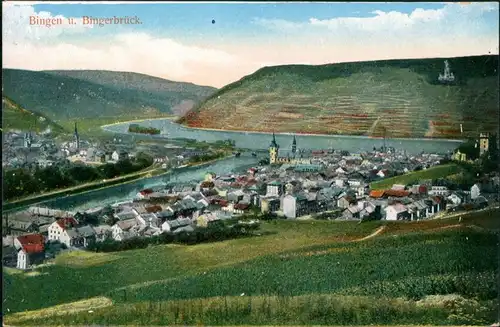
[(400, 98)]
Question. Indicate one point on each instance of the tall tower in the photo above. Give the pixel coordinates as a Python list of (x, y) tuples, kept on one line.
[(273, 151), (294, 145), (483, 143), (448, 75), (27, 140), (77, 138)]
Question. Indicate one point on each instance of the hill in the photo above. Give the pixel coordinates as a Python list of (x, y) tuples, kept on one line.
[(295, 273), (14, 117), (64, 95), (404, 97)]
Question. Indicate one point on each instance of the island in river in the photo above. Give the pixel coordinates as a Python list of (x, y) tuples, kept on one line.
[(136, 128)]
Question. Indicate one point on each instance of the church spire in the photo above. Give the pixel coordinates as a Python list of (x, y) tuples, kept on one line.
[(274, 144), (77, 138)]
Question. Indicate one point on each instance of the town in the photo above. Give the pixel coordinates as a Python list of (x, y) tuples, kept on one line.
[(296, 184)]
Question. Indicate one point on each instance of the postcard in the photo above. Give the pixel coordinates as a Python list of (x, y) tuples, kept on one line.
[(250, 163)]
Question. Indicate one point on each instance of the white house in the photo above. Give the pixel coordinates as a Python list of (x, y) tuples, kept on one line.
[(439, 190), (102, 232), (340, 181), (58, 230), (475, 191), (124, 229), (456, 199), (171, 225), (396, 211), (354, 182), (31, 250), (119, 155), (274, 189), (290, 206), (340, 170), (382, 173)]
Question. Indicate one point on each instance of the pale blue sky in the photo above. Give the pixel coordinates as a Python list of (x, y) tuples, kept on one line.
[(235, 20), (178, 40)]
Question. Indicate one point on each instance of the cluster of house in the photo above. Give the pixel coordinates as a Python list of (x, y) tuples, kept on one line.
[(28, 148), (332, 183), (93, 154), (20, 148)]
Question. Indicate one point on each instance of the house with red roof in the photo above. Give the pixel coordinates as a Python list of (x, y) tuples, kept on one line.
[(376, 194), (59, 227), (31, 250), (68, 232)]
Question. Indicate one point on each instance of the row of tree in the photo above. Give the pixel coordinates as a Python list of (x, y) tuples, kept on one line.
[(21, 182), (213, 233), (206, 157)]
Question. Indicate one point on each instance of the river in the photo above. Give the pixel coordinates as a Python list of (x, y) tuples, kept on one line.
[(127, 191), (260, 141), (250, 140)]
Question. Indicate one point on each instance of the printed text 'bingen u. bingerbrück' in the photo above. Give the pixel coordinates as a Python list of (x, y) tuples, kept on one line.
[(84, 20)]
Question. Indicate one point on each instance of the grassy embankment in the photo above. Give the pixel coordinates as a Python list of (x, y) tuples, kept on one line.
[(440, 171), (153, 170), (297, 272)]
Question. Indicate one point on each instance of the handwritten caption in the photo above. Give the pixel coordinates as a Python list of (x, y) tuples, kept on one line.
[(84, 20)]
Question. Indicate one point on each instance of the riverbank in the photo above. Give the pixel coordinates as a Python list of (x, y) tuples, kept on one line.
[(97, 186), (139, 120), (80, 189), (290, 133), (321, 135)]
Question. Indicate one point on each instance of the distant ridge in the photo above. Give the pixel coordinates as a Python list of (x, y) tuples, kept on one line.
[(399, 98), (64, 95)]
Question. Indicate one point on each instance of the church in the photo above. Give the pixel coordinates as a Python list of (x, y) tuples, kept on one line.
[(289, 158)]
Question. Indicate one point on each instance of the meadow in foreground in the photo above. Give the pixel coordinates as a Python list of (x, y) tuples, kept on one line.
[(435, 272)]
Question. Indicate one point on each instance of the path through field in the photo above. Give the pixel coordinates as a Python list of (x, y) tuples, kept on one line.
[(375, 233)]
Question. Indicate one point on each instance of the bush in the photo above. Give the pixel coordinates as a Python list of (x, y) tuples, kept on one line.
[(213, 233)]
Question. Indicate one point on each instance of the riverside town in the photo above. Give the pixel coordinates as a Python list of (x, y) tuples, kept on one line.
[(251, 164)]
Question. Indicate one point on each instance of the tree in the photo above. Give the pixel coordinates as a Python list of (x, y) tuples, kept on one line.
[(143, 160), (124, 167), (470, 148), (19, 182), (108, 170), (82, 173)]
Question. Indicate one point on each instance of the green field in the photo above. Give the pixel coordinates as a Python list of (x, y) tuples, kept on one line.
[(14, 117), (414, 177), (359, 98), (297, 272)]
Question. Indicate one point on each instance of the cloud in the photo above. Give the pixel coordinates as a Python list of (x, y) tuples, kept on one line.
[(137, 52), (43, 48), (17, 28), (454, 30), (456, 19)]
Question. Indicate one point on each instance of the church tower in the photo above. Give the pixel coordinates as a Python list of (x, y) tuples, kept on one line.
[(273, 151), (27, 140), (77, 138), (483, 143), (294, 145)]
